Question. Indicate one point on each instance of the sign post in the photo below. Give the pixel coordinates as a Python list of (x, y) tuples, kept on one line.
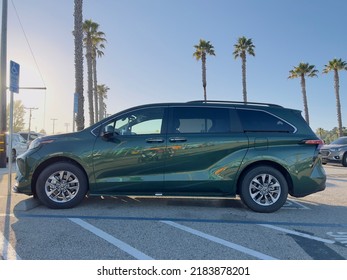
[(14, 87)]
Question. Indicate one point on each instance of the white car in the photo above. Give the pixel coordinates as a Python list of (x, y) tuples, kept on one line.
[(19, 145)]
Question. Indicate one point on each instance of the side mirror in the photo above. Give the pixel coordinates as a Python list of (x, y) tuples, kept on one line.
[(108, 131)]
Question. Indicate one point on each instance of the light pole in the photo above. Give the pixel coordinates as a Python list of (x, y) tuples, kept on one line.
[(3, 61), (67, 126), (30, 116), (53, 123)]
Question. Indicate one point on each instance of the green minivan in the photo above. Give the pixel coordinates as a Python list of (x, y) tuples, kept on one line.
[(261, 152)]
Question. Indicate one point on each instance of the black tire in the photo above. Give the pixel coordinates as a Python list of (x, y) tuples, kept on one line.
[(264, 189), (14, 155), (344, 160), (61, 185)]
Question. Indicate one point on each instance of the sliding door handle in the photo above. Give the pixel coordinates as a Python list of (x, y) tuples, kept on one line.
[(177, 139), (155, 140)]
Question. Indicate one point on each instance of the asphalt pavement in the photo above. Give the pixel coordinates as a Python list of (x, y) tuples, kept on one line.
[(313, 227)]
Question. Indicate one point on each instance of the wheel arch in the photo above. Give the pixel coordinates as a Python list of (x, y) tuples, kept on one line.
[(272, 164), (50, 161)]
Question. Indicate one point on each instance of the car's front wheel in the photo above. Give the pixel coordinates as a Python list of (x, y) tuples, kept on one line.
[(344, 160), (264, 189), (61, 185)]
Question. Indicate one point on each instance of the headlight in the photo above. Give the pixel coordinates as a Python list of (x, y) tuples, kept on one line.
[(335, 149)]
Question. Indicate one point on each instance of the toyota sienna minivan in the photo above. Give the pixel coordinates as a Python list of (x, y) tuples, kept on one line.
[(260, 152)]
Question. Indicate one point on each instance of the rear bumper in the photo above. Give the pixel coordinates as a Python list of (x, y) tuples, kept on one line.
[(313, 183)]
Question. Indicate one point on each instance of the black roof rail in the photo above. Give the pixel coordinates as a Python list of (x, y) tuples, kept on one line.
[(235, 102)]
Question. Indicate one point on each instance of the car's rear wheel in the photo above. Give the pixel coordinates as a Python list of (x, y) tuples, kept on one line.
[(264, 189), (61, 185)]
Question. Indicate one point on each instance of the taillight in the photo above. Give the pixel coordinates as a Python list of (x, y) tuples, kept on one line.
[(318, 142)]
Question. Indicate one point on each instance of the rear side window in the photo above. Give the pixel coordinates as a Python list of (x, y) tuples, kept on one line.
[(261, 121), (199, 120)]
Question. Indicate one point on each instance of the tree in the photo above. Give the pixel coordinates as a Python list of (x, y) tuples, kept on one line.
[(301, 71), (204, 48), (102, 92), (336, 65), (88, 28), (243, 47), (18, 116), (78, 34), (329, 136), (98, 39)]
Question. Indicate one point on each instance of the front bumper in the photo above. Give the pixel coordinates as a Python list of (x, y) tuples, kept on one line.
[(329, 156), (24, 174)]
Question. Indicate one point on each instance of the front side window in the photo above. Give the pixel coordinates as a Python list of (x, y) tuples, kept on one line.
[(200, 120), (138, 122)]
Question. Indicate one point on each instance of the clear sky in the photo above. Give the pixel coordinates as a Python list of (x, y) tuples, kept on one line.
[(148, 56)]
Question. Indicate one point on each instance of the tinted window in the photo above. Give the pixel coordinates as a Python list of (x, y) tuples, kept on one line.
[(254, 120), (200, 120), (144, 121)]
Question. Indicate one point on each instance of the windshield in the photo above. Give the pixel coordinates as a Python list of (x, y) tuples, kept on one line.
[(340, 141)]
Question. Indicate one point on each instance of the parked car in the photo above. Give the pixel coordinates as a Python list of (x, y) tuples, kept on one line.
[(19, 145), (335, 152), (30, 136), (261, 152)]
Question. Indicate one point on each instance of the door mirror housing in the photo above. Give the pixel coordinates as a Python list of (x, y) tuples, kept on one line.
[(108, 132)]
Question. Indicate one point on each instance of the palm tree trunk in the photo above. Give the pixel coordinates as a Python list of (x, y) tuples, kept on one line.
[(95, 89), (204, 83), (90, 81), (101, 106), (304, 96), (338, 104), (244, 90), (78, 34)]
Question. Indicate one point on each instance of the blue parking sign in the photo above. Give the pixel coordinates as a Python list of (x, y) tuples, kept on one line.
[(14, 76)]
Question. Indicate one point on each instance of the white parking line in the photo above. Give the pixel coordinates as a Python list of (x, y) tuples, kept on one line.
[(111, 239), (290, 202), (298, 234), (6, 250), (223, 242)]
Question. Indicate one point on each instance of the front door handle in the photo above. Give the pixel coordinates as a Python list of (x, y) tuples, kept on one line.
[(155, 140), (177, 139)]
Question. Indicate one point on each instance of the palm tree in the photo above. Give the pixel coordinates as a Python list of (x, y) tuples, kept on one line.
[(98, 38), (89, 28), (243, 47), (201, 51), (336, 65), (303, 70), (78, 34), (102, 92)]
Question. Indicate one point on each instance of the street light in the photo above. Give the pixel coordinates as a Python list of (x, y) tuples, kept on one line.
[(53, 123)]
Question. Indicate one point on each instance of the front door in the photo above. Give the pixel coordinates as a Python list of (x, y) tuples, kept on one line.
[(129, 154)]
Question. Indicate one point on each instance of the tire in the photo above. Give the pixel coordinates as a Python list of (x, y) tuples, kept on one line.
[(61, 185), (344, 160), (14, 155), (264, 189)]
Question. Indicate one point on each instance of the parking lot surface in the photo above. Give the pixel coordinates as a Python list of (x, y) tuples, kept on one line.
[(130, 228)]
